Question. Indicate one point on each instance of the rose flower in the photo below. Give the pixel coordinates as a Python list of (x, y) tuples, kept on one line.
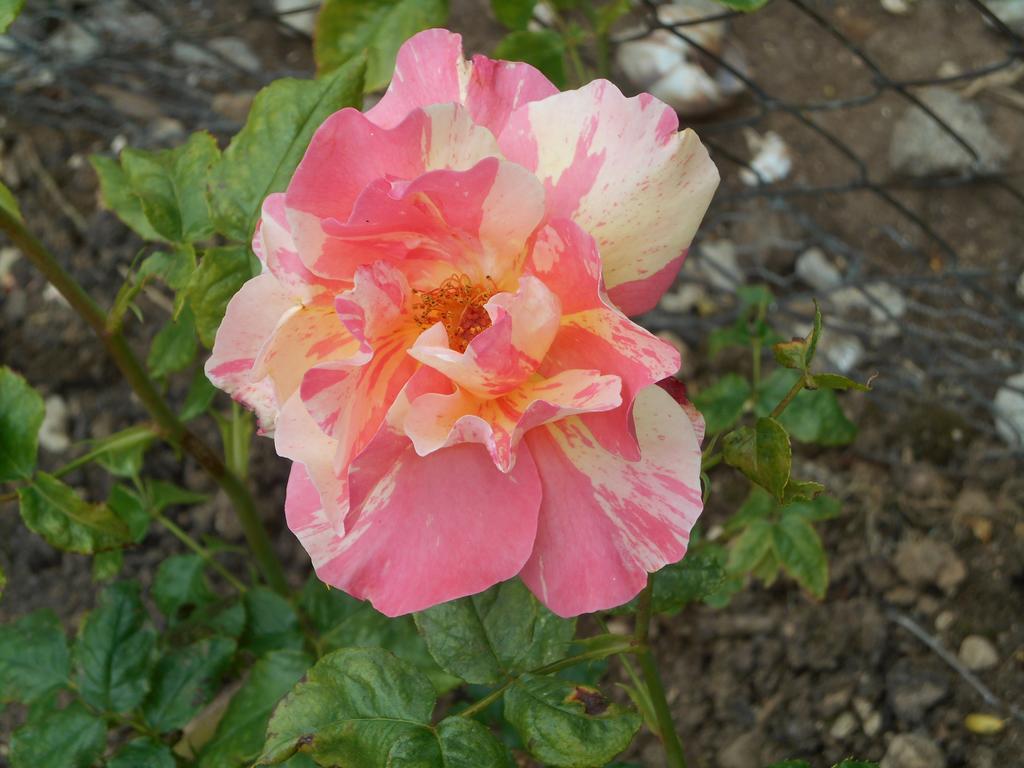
[(439, 338)]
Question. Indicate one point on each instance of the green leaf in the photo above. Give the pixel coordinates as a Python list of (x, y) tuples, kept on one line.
[(161, 494), (21, 415), (563, 724), (543, 48), (342, 621), (743, 5), (750, 547), (346, 28), (199, 396), (801, 490), (722, 403), (117, 194), (514, 14), (855, 764), (457, 742), (106, 565), (800, 551), (171, 185), (131, 509), (54, 511), (3, 581), (814, 416), (352, 708), (34, 659), (121, 453), (8, 202), (815, 335), (791, 354), (695, 577), (174, 268), (272, 622), (762, 453), (759, 505), (501, 631), (819, 508), (180, 582), (69, 738), (240, 732), (835, 381), (790, 763), (113, 649), (184, 680), (263, 155), (174, 347), (143, 753), (219, 276)]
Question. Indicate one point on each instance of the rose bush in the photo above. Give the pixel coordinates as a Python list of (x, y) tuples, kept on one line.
[(439, 341)]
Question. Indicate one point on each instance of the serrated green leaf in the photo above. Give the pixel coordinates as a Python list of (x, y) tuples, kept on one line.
[(221, 273), (121, 453), (240, 733), (181, 582), (272, 623), (722, 403), (21, 415), (818, 508), (143, 753), (106, 565), (750, 547), (69, 738), (174, 347), (263, 155), (68, 522), (113, 649), (34, 658), (801, 490), (800, 552), (814, 416), (353, 706), (514, 14), (343, 621), (762, 453), (173, 267), (346, 28), (568, 725), (501, 631), (543, 48), (171, 186), (835, 381), (699, 574), (184, 680), (117, 194), (130, 508), (456, 742), (8, 202)]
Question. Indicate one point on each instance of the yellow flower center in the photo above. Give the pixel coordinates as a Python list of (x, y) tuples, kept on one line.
[(458, 303)]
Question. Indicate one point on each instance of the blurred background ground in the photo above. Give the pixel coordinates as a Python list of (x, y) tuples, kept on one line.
[(912, 243)]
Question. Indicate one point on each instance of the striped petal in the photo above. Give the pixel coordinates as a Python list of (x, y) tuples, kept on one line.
[(428, 529), (430, 69), (620, 169), (606, 523)]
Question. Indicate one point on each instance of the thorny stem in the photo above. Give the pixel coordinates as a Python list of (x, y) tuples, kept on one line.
[(655, 690), (628, 645), (168, 426), (200, 550)]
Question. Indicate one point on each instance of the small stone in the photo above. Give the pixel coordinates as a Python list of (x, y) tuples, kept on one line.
[(237, 51), (862, 707), (835, 702), (929, 562), (903, 596), (233, 105), (770, 161), (921, 147), (978, 654), (303, 21), (684, 298), (1009, 410), (843, 351), (896, 7), (844, 726), (720, 265), (912, 689), (814, 268), (872, 725), (742, 752), (927, 605), (913, 750), (944, 620), (53, 432)]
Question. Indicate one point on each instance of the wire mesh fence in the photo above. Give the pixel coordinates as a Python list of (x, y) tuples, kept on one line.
[(863, 164)]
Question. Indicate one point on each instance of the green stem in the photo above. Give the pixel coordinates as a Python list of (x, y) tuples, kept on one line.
[(652, 680), (795, 390), (200, 550), (628, 645), (169, 427)]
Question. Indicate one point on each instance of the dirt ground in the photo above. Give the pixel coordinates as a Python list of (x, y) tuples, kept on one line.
[(932, 531)]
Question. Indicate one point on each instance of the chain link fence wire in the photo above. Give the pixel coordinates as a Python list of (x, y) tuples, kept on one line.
[(901, 212)]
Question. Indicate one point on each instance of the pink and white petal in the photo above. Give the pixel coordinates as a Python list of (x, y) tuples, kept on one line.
[(621, 171), (677, 390), (607, 340), (430, 69), (441, 419), (379, 306), (348, 153), (566, 259), (500, 358), (605, 523), (252, 316), (305, 336), (318, 521), (428, 529)]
